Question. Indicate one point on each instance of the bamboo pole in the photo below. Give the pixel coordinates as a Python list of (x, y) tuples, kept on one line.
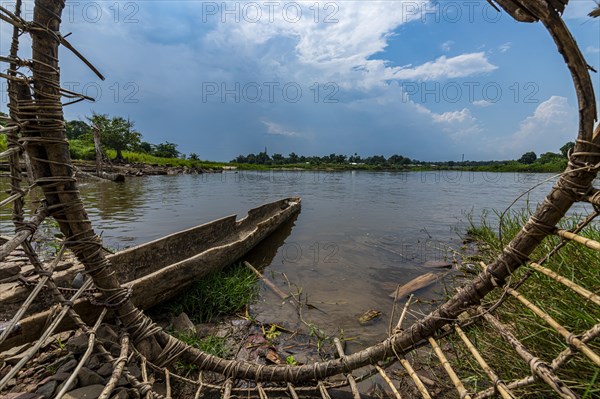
[(349, 376), (292, 391), (12, 198), (539, 368), (34, 293), (385, 377), (9, 152), (566, 282), (403, 314), (261, 391), (323, 390), (462, 392), (200, 386), (22, 235), (571, 338), (84, 358), (561, 359), (168, 384), (413, 375), (33, 350), (499, 384), (227, 389), (588, 242)]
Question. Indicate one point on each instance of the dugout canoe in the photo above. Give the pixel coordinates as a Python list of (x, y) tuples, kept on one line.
[(161, 269)]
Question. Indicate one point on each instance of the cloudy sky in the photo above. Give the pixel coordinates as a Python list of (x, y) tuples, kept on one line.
[(427, 80)]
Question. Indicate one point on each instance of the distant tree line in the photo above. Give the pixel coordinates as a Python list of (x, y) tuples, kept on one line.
[(548, 157), (262, 158)]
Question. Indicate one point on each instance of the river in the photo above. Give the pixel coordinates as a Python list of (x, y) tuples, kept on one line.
[(358, 234)]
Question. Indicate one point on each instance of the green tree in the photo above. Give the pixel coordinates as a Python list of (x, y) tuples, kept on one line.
[(263, 158), (564, 150), (194, 157), (78, 130), (528, 158), (116, 133), (166, 150), (278, 159), (144, 147), (549, 157), (293, 158)]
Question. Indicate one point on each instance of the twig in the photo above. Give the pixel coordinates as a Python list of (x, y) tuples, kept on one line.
[(86, 355)]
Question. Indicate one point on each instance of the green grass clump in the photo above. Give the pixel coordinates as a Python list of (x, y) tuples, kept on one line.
[(219, 294), (3, 143), (211, 344), (80, 149), (575, 262)]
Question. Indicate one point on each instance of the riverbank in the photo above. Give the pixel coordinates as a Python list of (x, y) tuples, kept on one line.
[(173, 167), (145, 169)]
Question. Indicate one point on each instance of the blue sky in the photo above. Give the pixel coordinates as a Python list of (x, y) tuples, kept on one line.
[(428, 81)]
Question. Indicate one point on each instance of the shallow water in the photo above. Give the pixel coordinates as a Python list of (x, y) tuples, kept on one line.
[(359, 234)]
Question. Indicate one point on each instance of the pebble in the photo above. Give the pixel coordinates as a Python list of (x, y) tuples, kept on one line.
[(9, 270), (47, 390), (68, 366), (120, 393), (78, 344), (88, 377), (21, 395), (89, 392), (107, 334), (105, 370), (183, 324), (135, 371)]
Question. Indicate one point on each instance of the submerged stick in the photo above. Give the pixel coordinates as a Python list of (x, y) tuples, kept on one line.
[(284, 297)]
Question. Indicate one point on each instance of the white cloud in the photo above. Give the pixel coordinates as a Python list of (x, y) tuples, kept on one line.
[(276, 129), (553, 123), (457, 124), (341, 52), (482, 103), (447, 45), (505, 47), (444, 67), (592, 50)]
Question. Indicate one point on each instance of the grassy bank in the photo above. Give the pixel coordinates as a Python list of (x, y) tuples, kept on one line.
[(83, 150), (575, 262)]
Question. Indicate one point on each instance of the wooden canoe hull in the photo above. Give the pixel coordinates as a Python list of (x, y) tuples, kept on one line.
[(146, 267)]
